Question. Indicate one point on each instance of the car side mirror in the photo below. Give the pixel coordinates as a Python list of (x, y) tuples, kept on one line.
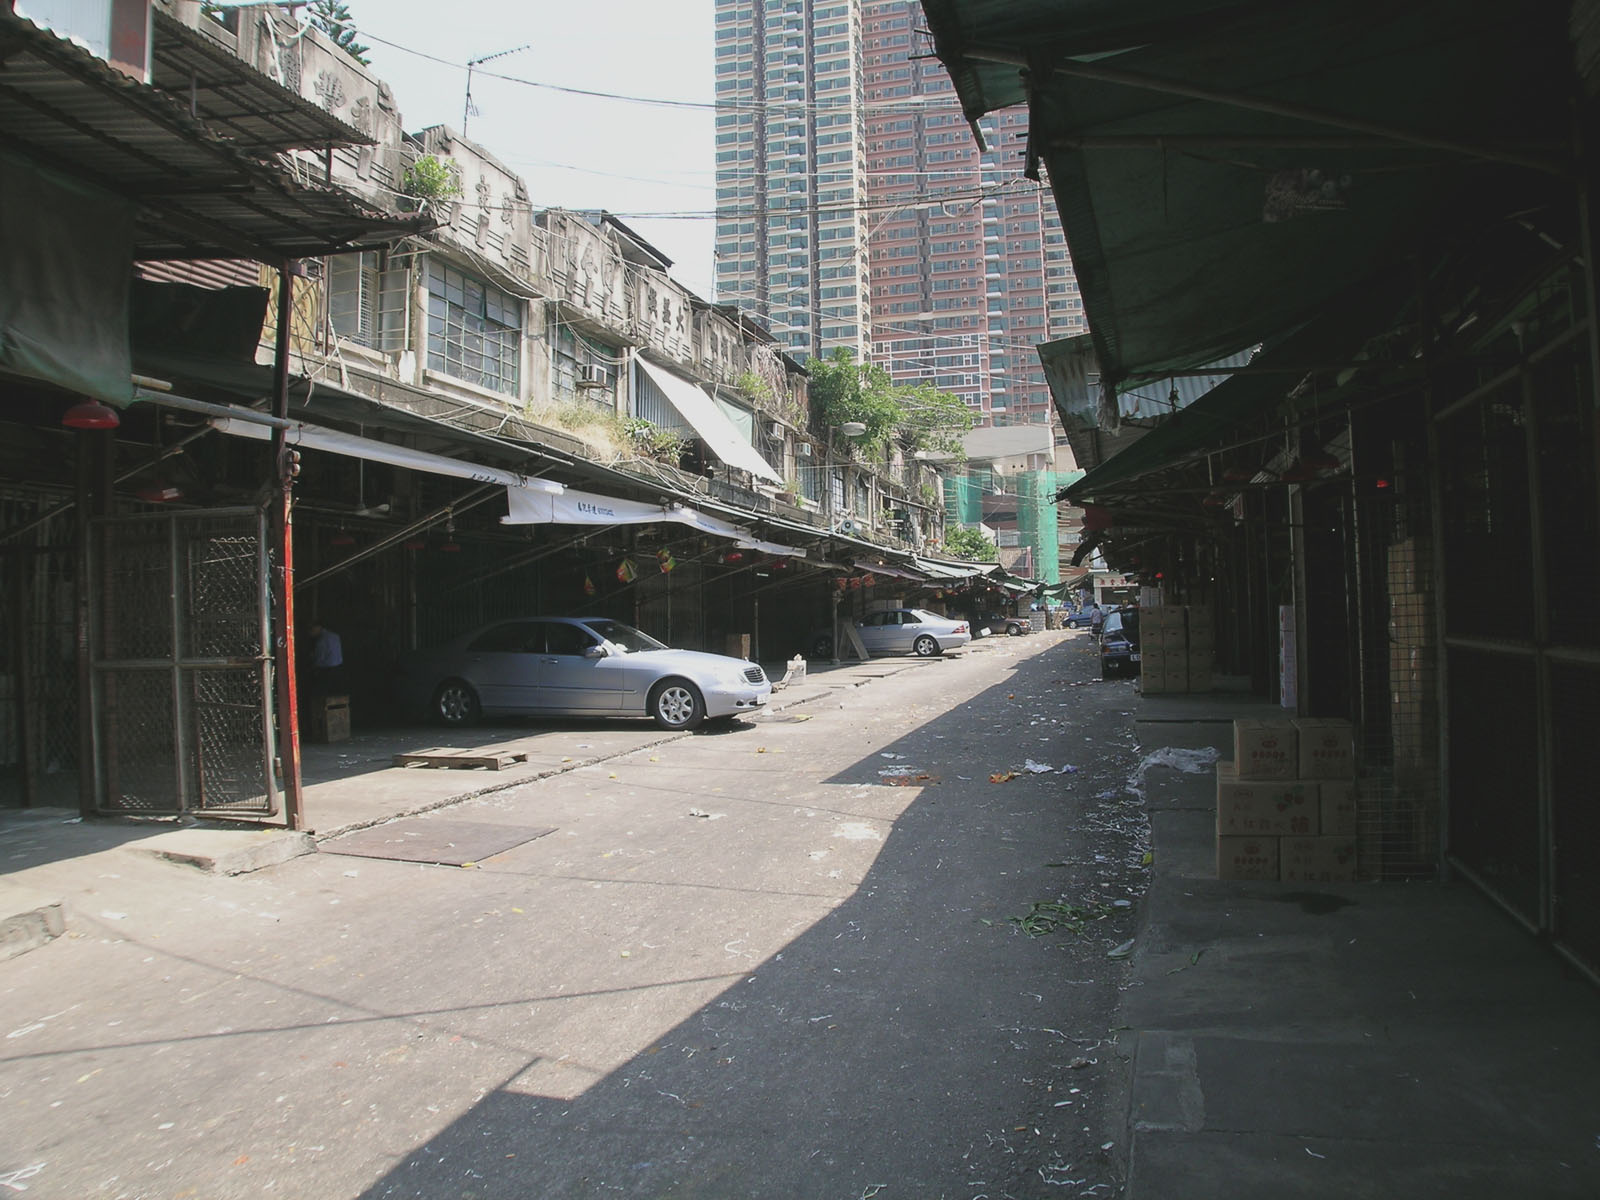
[(595, 651)]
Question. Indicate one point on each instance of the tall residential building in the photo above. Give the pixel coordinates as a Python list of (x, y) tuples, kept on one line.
[(969, 262), (841, 149), (791, 170)]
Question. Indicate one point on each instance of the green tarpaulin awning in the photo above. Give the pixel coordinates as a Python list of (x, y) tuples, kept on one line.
[(1223, 172)]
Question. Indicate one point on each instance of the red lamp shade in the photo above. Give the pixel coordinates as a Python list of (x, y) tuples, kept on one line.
[(91, 414)]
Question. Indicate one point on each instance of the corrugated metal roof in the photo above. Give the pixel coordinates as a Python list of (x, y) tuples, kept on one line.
[(199, 197), (254, 112)]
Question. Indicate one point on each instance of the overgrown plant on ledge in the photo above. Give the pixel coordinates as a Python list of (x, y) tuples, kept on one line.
[(651, 441), (765, 398), (431, 181)]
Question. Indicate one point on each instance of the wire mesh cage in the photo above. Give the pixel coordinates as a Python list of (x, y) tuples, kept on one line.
[(181, 667)]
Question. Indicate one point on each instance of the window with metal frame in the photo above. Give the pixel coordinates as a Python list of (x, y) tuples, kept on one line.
[(367, 300), (581, 370), (474, 329)]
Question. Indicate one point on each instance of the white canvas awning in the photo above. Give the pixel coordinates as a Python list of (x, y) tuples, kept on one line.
[(331, 441), (587, 508), (719, 433)]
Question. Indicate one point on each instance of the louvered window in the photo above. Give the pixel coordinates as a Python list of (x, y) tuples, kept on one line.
[(366, 302)]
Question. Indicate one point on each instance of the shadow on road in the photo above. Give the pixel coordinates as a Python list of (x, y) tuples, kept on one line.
[(915, 1040)]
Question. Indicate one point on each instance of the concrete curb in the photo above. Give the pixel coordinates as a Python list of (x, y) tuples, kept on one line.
[(29, 927), (227, 852)]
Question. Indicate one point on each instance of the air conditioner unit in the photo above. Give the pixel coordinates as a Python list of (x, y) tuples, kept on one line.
[(591, 375), (775, 430), (803, 449)]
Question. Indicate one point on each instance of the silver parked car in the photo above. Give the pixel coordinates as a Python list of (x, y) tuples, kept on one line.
[(579, 666), (911, 631)]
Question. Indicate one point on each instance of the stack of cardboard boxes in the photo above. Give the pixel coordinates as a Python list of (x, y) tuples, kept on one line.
[(1176, 645), (1286, 804)]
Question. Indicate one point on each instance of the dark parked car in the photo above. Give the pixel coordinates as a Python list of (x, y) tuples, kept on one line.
[(1010, 626), (1119, 643), (578, 666), (1080, 619)]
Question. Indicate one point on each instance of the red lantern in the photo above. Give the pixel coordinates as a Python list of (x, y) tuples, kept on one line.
[(91, 414)]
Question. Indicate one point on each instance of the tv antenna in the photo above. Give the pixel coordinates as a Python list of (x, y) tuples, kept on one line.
[(468, 110)]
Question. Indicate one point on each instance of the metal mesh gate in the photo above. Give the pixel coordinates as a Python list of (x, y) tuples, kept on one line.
[(181, 680), (1522, 654), (38, 671)]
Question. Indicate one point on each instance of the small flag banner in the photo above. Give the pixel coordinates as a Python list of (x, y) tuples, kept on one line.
[(625, 571), (588, 585), (664, 557)]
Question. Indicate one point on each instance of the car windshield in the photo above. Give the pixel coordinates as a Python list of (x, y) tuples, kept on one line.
[(625, 637)]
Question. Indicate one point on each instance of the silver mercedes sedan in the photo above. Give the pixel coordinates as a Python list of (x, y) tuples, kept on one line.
[(579, 666)]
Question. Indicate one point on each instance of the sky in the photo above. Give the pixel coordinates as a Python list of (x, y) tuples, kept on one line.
[(573, 151)]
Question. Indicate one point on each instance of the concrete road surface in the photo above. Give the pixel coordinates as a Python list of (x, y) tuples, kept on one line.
[(855, 949)]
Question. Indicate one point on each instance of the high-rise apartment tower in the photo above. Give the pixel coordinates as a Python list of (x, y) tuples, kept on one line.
[(855, 208), (791, 170)]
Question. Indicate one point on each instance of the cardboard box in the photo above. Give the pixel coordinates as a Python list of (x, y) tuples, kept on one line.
[(1336, 800), (1202, 626), (1265, 807), (1175, 676), (1154, 653), (1265, 749), (1154, 617), (1150, 684), (1174, 638), (1326, 748), (1329, 858), (330, 719), (1247, 858)]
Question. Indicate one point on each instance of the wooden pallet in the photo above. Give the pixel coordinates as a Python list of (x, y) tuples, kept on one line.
[(461, 760)]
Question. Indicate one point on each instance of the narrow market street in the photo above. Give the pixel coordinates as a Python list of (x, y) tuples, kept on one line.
[(866, 946)]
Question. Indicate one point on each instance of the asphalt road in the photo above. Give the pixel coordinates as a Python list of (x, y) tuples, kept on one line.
[(783, 960)]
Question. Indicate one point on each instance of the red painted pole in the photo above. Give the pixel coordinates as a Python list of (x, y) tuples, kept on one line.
[(282, 535)]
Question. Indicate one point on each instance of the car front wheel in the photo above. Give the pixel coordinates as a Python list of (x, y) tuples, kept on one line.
[(455, 704), (925, 646), (677, 704), (1014, 630)]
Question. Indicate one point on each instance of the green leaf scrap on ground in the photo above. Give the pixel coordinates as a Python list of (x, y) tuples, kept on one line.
[(1046, 916)]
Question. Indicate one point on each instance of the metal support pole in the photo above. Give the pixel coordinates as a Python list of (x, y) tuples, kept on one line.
[(1544, 702), (282, 527)]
